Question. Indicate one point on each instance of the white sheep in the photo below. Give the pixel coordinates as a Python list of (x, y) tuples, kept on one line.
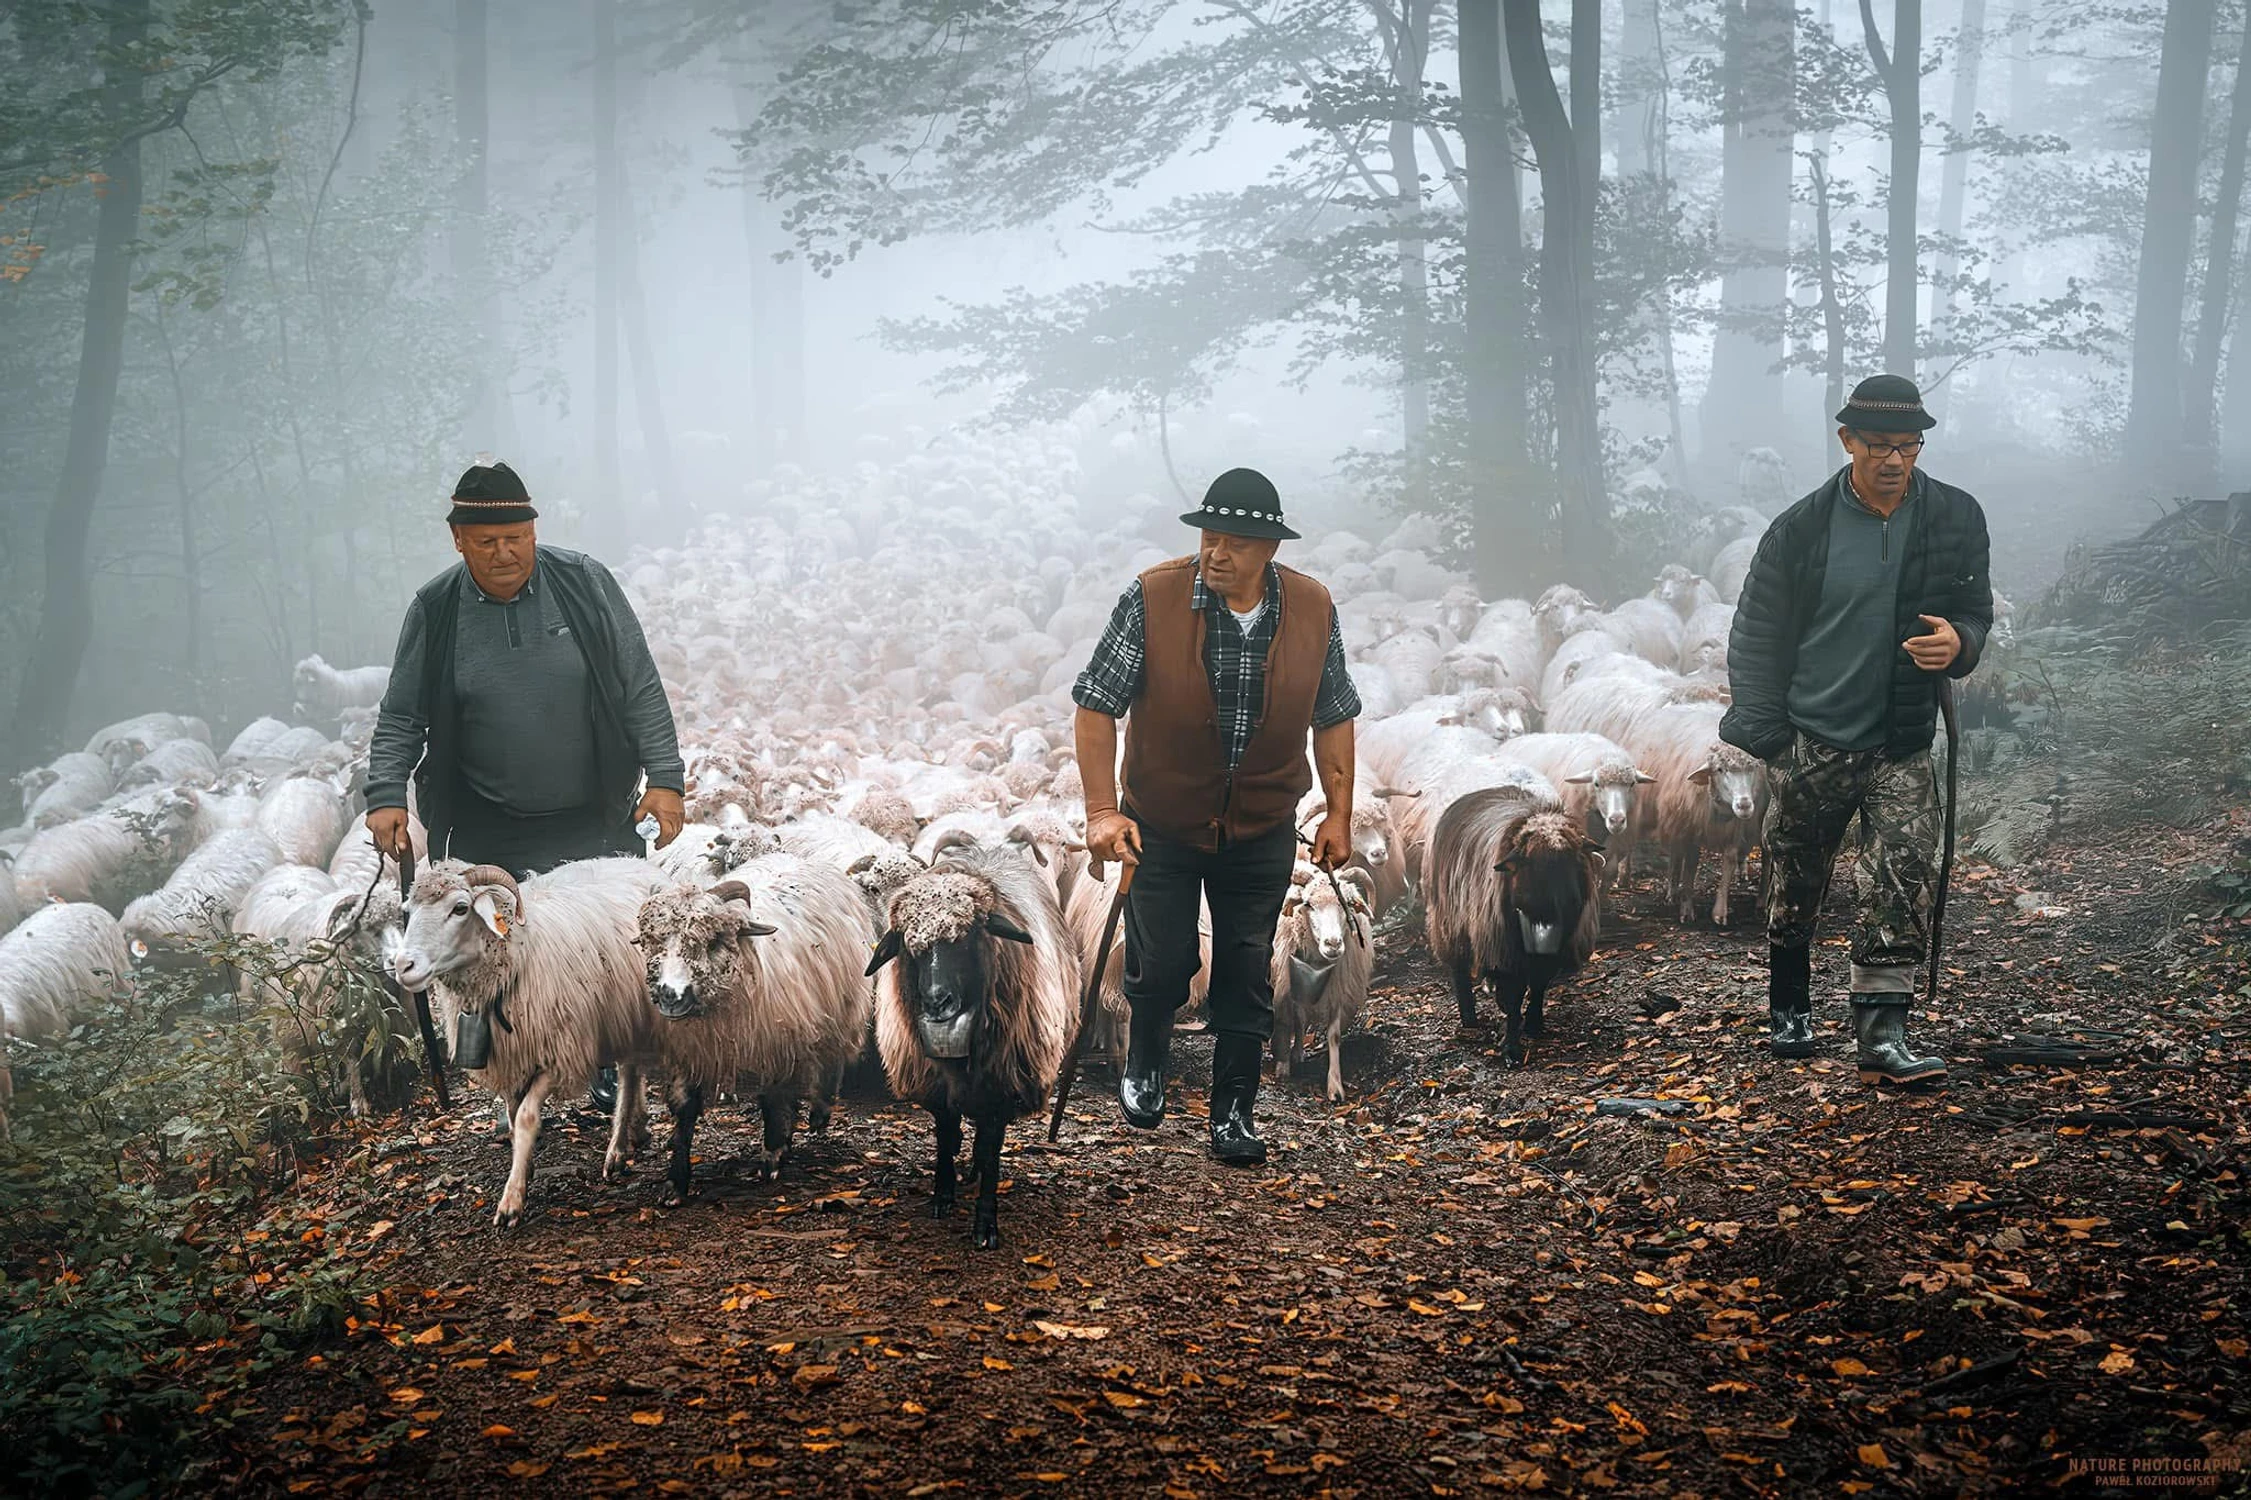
[(182, 762), (110, 856), (1647, 628), (1601, 787), (126, 741), (305, 816), (324, 692), (1574, 658), (1088, 910), (760, 980), (1324, 953), (199, 899), (1710, 795), (67, 787), (1731, 566), (252, 741), (60, 959), (1376, 850), (550, 967), (329, 940)]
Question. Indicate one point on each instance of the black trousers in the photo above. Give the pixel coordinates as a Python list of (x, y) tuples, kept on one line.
[(532, 844), (1244, 883)]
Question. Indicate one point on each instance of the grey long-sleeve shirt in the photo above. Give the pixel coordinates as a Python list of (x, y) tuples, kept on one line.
[(527, 741)]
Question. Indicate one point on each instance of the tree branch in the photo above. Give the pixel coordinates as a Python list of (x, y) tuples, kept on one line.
[(1876, 52)]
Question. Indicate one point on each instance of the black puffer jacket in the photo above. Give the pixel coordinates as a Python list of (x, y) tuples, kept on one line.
[(1944, 573)]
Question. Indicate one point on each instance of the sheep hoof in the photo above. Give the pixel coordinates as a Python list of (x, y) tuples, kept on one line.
[(817, 1118), (507, 1218), (942, 1206), (770, 1168), (1512, 1057), (1535, 1027), (674, 1196), (986, 1236), (1336, 1096), (615, 1164)]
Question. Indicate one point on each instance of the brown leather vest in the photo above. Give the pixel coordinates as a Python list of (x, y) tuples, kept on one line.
[(1176, 776)]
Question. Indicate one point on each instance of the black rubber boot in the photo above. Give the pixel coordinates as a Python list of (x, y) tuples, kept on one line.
[(1880, 1025), (1234, 1090), (1789, 1001), (1141, 1082)]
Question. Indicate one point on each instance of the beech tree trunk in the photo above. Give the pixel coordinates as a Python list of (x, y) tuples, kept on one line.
[(608, 232), (2154, 409), (777, 324), (2219, 282), (1413, 32), (1566, 284), (1505, 524), (489, 425), (1954, 175), (1901, 70), (66, 612), (1756, 166)]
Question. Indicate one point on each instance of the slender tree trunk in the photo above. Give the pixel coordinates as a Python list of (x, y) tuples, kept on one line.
[(1413, 30), (1566, 267), (1659, 137), (2219, 280), (66, 614), (1757, 161), (1504, 525), (608, 249), (191, 555), (2153, 413), (648, 396), (1832, 304), (1954, 177), (1586, 112), (489, 423), (777, 323), (1901, 71), (1633, 124)]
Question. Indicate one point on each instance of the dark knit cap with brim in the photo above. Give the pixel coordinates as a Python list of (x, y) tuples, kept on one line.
[(491, 495), (1886, 403), (1242, 502)]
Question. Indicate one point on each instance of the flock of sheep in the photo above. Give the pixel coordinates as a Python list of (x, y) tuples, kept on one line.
[(872, 681)]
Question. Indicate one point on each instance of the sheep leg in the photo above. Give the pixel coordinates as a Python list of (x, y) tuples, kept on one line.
[(824, 1103), (614, 1160), (779, 1114), (1726, 864), (525, 1136), (1336, 1057), (687, 1107), (949, 1146), (1465, 993), (1686, 856), (985, 1227), (1509, 990)]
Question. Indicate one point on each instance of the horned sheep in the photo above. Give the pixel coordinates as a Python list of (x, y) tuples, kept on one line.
[(1324, 953)]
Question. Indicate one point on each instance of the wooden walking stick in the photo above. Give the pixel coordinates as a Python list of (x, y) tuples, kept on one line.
[(1089, 1003), (1946, 845), (422, 1021)]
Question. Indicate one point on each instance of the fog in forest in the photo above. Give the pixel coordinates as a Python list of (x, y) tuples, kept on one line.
[(1563, 278)]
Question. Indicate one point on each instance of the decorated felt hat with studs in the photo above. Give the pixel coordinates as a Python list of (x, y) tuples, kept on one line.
[(491, 495), (1886, 403), (1242, 502)]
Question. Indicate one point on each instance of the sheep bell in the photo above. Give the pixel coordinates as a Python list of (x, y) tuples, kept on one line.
[(948, 984), (472, 1039)]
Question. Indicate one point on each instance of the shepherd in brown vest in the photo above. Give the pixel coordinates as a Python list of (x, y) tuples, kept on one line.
[(1219, 663)]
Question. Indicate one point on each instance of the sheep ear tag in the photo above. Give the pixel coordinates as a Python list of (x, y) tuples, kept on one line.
[(487, 908)]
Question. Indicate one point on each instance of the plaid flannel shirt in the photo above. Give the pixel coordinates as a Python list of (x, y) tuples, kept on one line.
[(1234, 659)]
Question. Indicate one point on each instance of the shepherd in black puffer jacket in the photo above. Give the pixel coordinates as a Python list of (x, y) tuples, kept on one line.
[(1860, 596), (1943, 573)]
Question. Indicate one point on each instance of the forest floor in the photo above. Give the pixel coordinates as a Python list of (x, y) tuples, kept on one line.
[(1463, 1278)]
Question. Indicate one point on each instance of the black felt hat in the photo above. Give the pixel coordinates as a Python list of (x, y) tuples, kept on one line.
[(491, 495), (1242, 502), (1886, 403)]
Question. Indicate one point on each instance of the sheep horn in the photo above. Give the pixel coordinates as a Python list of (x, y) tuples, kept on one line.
[(1392, 791), (953, 838), (477, 875), (858, 866), (731, 890), (1019, 834)]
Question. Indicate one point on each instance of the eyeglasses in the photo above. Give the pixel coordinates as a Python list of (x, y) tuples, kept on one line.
[(1883, 450)]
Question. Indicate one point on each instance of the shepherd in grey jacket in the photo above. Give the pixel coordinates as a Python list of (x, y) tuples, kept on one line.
[(523, 703)]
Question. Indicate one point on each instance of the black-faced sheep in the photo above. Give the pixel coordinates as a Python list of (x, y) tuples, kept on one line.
[(978, 991), (759, 979), (1512, 889)]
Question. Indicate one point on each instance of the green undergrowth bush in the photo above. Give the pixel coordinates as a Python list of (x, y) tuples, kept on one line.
[(158, 1247)]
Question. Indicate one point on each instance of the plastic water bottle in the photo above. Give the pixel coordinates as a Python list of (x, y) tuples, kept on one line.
[(647, 828)]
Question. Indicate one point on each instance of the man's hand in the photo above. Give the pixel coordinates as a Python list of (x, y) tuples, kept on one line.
[(1112, 837), (387, 826), (1332, 841), (665, 806), (1935, 652)]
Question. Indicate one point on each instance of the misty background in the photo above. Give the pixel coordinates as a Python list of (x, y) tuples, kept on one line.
[(1565, 278)]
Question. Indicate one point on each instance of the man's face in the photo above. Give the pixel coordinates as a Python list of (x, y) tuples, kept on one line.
[(1233, 563), (1881, 461), (499, 557)]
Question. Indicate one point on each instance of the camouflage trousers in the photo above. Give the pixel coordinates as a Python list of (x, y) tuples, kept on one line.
[(1814, 793)]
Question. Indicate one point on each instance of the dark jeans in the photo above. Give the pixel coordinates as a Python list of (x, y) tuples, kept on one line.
[(532, 844), (1244, 883)]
